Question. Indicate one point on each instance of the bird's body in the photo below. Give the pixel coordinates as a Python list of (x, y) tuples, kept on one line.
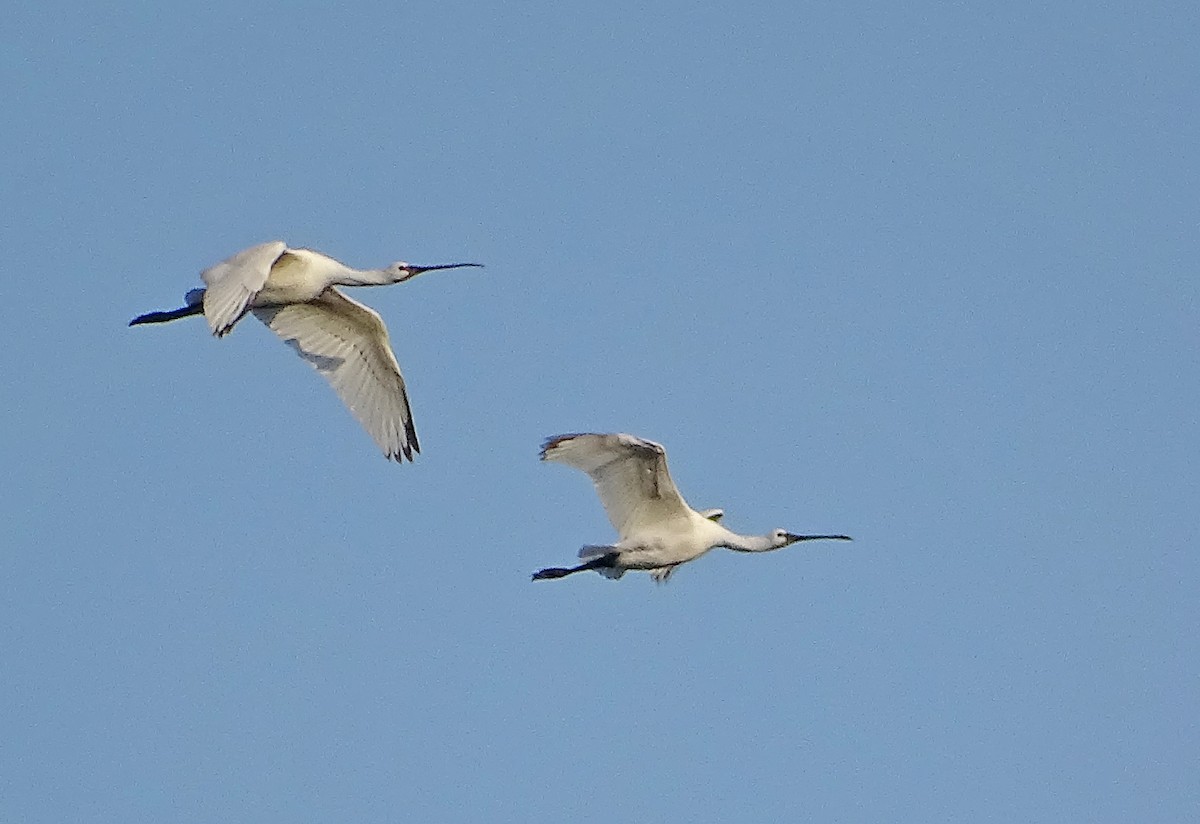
[(656, 529), (297, 277), (294, 292)]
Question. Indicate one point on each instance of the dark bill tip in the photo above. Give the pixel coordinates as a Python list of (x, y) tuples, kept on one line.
[(418, 270), (794, 538)]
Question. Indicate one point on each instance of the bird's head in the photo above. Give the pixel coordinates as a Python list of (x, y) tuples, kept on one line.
[(782, 538), (400, 271)]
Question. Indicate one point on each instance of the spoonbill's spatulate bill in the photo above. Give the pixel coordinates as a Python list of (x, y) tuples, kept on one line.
[(657, 531), (294, 292)]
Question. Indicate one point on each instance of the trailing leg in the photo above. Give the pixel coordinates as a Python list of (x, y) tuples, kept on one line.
[(607, 561), (195, 306)]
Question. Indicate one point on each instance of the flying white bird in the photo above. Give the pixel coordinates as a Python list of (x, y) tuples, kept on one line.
[(657, 531), (294, 292)]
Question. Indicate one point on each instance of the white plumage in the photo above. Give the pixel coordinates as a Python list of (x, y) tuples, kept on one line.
[(656, 529), (294, 292)]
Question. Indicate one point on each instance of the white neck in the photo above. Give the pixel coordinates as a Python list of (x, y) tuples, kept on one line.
[(363, 277), (321, 268), (746, 543)]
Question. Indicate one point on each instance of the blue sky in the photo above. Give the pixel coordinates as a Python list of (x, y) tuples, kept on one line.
[(924, 275)]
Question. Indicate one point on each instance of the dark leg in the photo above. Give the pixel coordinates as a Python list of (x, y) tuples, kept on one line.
[(603, 562), (174, 314)]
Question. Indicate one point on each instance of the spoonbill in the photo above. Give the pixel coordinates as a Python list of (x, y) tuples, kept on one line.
[(294, 292), (657, 531)]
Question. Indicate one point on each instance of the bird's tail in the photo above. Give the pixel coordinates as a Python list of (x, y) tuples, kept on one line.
[(195, 306), (605, 565), (595, 550)]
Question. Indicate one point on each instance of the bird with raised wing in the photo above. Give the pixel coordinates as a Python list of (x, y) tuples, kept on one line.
[(294, 292), (656, 529)]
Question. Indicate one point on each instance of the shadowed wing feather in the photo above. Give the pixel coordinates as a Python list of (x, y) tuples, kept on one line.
[(348, 344), (630, 475), (234, 282)]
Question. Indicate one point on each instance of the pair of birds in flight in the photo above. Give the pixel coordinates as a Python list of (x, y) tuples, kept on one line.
[(294, 292)]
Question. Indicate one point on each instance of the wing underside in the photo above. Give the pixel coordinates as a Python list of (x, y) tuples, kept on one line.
[(347, 343), (630, 475), (233, 283)]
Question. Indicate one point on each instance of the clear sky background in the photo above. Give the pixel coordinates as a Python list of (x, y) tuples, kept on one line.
[(922, 273)]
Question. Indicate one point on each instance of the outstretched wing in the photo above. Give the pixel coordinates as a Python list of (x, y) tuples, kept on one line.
[(348, 344), (233, 283), (630, 475)]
